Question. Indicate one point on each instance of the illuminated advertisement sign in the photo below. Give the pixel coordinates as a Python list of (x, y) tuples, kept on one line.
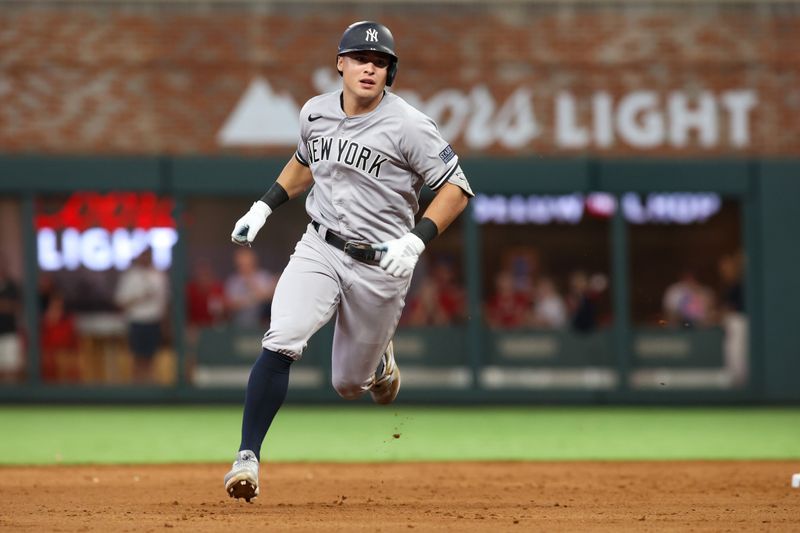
[(106, 231), (656, 208)]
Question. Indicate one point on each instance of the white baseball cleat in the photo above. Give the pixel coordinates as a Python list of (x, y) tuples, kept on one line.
[(242, 480), (385, 386)]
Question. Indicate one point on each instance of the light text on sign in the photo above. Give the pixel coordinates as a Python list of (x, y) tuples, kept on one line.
[(106, 231), (655, 208), (530, 117)]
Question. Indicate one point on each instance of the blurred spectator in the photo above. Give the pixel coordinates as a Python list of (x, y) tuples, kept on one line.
[(731, 272), (59, 341), (733, 318), (549, 309), (47, 288), (523, 265), (425, 306), (143, 294), (205, 297), (249, 291), (580, 302), (508, 307), (688, 303), (10, 345), (439, 300), (598, 293)]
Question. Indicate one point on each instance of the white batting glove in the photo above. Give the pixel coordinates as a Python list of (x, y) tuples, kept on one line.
[(400, 255), (246, 227)]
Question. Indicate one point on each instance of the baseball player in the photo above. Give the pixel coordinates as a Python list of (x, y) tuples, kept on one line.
[(367, 153)]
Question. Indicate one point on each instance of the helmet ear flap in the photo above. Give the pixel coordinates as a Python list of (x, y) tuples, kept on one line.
[(391, 73)]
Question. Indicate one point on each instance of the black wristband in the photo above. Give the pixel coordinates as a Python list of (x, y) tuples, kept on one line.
[(426, 230), (275, 196)]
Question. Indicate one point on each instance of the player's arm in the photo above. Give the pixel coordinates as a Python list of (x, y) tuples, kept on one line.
[(400, 255), (442, 174), (448, 203), (294, 180)]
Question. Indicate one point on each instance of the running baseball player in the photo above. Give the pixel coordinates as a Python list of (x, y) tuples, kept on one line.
[(367, 153)]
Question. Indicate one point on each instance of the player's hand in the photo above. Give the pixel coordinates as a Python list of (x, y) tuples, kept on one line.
[(246, 227), (400, 255)]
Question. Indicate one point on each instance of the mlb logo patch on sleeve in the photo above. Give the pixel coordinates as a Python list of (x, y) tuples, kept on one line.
[(447, 154)]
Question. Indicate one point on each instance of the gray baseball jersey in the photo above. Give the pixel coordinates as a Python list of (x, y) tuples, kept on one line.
[(369, 169), (368, 172)]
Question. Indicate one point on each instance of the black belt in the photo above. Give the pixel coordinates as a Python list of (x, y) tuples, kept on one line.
[(357, 250)]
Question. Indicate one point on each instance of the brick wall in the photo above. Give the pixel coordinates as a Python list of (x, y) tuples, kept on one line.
[(623, 80)]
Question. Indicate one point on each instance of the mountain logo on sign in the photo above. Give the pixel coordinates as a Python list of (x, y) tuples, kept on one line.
[(262, 117)]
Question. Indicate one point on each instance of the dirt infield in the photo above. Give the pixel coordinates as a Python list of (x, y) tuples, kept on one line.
[(575, 496)]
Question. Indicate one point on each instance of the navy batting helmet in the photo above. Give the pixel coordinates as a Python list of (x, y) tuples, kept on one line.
[(368, 35)]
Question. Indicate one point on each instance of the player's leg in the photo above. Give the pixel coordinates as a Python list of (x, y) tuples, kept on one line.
[(368, 314), (305, 299), (386, 383)]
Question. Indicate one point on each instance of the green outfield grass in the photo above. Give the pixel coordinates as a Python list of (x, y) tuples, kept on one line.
[(70, 435)]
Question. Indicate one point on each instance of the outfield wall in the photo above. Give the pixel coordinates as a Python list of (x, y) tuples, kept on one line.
[(631, 354), (616, 148)]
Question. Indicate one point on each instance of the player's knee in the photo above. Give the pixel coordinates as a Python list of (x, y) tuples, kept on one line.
[(348, 389), (284, 341)]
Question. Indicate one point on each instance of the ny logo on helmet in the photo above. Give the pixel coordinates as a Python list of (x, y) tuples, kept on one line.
[(372, 35)]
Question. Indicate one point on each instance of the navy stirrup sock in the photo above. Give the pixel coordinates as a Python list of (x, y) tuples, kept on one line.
[(266, 390)]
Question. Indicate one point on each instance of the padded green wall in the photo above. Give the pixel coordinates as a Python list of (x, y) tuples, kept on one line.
[(779, 192)]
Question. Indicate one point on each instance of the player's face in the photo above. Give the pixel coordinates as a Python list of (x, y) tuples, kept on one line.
[(364, 73)]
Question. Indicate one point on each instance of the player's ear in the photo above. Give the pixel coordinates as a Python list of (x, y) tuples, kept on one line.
[(340, 65)]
